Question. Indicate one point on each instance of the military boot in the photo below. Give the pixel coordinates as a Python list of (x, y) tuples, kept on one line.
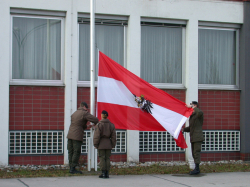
[(196, 170), (103, 174), (74, 171), (71, 170), (107, 174)]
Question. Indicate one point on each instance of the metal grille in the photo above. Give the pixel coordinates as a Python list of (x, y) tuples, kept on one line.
[(85, 142), (214, 141), (36, 142), (221, 141), (120, 142), (157, 142)]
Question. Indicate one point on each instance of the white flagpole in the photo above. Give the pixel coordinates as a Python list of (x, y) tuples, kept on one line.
[(95, 150), (91, 151)]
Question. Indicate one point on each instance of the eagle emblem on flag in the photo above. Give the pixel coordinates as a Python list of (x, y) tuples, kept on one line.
[(143, 104)]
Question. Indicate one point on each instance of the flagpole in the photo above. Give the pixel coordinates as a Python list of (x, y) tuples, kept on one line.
[(92, 57), (95, 150), (91, 151)]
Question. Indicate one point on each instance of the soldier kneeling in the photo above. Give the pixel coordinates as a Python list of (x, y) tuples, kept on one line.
[(104, 140)]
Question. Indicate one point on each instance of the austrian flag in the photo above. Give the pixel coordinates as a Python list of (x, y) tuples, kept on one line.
[(134, 104)]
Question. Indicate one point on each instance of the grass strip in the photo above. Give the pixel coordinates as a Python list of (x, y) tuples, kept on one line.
[(138, 170)]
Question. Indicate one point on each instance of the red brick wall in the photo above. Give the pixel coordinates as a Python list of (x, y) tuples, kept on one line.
[(114, 158), (178, 94), (221, 109), (213, 157), (83, 94), (37, 160), (245, 156), (157, 157), (118, 158), (36, 108), (168, 157), (56, 159), (221, 112)]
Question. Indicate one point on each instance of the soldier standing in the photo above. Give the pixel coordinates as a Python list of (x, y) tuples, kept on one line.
[(79, 121), (104, 140), (196, 134)]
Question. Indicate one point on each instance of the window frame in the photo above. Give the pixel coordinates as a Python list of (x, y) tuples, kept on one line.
[(183, 24), (84, 15), (38, 81), (237, 38)]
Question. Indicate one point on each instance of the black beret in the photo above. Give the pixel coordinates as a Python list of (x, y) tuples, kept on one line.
[(195, 103), (105, 113)]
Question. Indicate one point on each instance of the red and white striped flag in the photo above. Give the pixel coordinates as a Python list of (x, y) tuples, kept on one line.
[(117, 88)]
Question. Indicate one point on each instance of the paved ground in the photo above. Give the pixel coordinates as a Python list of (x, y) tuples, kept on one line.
[(238, 179)]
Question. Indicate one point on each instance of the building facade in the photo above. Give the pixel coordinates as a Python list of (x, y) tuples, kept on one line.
[(192, 49)]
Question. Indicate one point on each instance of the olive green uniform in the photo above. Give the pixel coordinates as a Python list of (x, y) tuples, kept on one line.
[(196, 133), (74, 152), (104, 140), (104, 156), (75, 135)]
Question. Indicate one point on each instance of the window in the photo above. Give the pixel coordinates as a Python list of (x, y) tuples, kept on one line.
[(157, 142), (36, 48), (110, 39), (226, 140), (162, 52), (218, 56), (215, 140), (36, 142)]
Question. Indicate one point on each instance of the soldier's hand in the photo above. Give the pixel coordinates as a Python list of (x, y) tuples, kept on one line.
[(89, 126)]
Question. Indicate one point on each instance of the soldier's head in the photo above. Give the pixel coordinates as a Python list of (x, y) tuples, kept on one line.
[(84, 105), (194, 104), (104, 114)]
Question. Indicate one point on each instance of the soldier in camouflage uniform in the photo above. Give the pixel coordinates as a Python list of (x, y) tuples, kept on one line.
[(79, 121), (104, 140), (196, 134)]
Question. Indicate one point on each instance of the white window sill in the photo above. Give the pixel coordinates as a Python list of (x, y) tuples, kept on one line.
[(32, 82), (169, 86), (85, 84), (217, 87)]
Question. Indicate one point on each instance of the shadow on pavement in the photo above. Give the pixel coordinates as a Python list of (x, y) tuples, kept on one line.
[(187, 175)]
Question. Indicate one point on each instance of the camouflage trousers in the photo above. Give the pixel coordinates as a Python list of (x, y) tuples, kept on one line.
[(196, 152), (104, 156), (74, 152)]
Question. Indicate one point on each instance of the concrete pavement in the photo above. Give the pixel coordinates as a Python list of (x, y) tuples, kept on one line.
[(236, 179)]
